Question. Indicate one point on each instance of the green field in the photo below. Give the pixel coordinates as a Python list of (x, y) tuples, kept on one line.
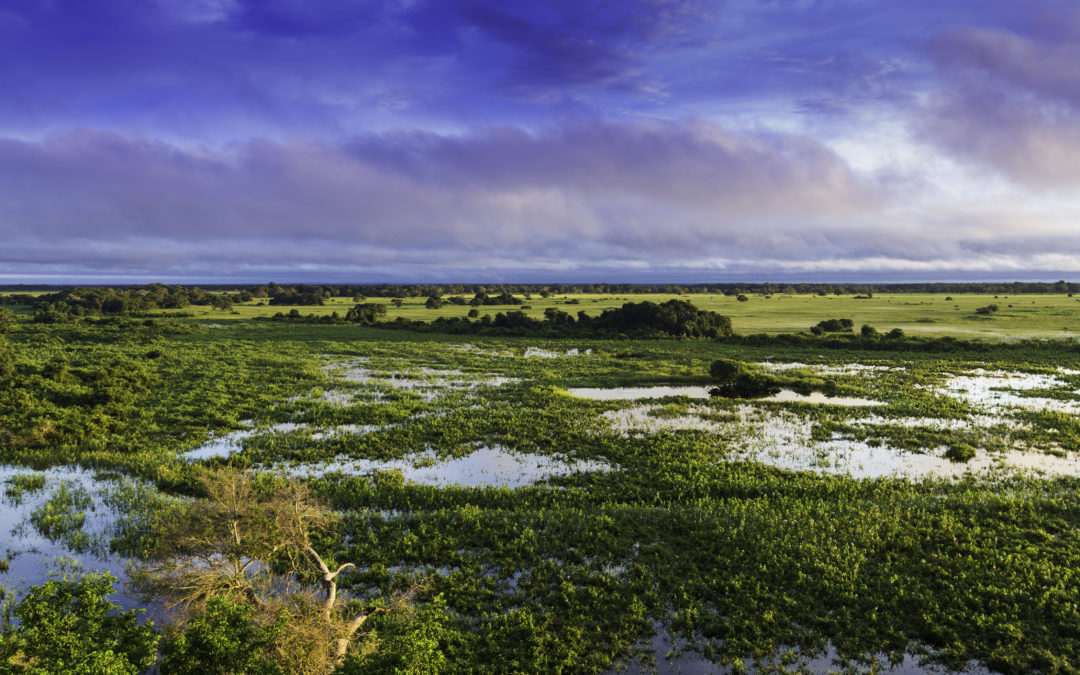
[(1019, 316), (925, 510)]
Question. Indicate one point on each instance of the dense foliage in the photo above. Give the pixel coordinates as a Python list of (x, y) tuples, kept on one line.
[(69, 627)]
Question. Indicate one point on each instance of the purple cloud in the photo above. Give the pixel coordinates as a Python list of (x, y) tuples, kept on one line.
[(189, 137), (498, 187), (1009, 102)]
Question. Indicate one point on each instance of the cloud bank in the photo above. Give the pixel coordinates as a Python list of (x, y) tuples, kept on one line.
[(641, 140)]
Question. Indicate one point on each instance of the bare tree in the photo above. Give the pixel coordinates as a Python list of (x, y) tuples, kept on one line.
[(250, 541)]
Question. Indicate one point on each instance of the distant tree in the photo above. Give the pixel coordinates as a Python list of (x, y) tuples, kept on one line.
[(367, 313), (987, 310), (473, 313), (833, 326), (557, 316), (742, 298), (433, 302), (397, 302), (868, 331), (222, 302), (674, 317)]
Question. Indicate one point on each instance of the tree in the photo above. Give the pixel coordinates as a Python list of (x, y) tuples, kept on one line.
[(68, 626), (397, 302), (742, 298), (368, 313), (222, 302), (8, 322), (433, 302), (250, 543)]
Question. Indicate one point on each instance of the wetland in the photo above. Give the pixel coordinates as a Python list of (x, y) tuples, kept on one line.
[(578, 504)]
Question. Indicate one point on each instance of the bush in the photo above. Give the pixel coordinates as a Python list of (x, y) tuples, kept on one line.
[(833, 326), (736, 379), (69, 627), (223, 638), (960, 452), (726, 371)]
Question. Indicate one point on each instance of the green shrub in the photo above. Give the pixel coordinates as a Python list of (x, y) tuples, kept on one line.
[(960, 452)]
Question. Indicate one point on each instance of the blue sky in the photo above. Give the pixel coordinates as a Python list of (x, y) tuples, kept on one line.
[(630, 140)]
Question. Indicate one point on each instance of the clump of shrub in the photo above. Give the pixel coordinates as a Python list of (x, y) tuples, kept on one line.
[(833, 326), (987, 310), (749, 385), (736, 379), (960, 452)]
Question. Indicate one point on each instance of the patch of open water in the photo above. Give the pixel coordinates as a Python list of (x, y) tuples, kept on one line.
[(227, 444), (830, 369), (672, 656), (536, 352), (996, 390), (783, 439), (789, 396), (702, 392), (38, 558), (634, 393), (487, 466)]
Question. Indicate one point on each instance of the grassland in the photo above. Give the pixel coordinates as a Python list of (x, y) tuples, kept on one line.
[(741, 559), (1019, 316)]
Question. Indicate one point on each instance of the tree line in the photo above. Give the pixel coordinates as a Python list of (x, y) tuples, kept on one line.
[(674, 318), (152, 296)]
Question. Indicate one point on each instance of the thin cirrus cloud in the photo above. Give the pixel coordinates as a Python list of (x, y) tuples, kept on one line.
[(634, 140)]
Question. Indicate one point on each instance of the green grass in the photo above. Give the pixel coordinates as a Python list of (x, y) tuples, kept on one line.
[(1019, 316)]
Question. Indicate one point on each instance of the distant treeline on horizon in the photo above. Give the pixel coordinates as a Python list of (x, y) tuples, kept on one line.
[(386, 290)]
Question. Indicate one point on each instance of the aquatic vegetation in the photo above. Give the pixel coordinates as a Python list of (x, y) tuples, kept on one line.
[(61, 518), (20, 485)]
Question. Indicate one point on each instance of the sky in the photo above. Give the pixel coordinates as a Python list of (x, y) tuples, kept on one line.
[(525, 140)]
